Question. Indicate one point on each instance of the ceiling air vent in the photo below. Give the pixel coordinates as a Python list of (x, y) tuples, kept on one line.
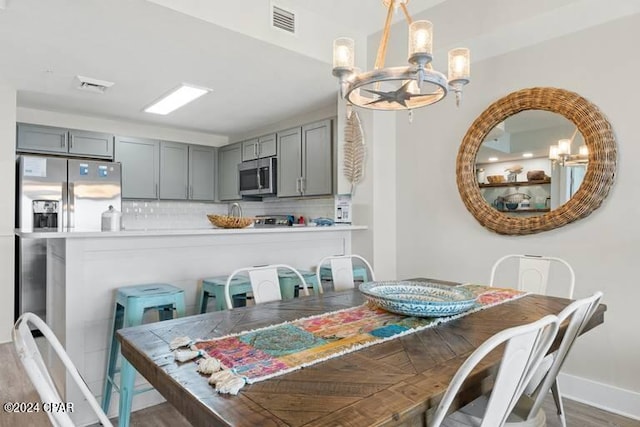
[(93, 85), (283, 19)]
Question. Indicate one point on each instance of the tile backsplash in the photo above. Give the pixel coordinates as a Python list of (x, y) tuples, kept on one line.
[(165, 214)]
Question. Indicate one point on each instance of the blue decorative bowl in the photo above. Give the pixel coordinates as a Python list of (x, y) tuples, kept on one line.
[(419, 299)]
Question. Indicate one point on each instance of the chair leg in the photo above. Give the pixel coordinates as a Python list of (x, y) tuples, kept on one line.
[(180, 307), (555, 391), (127, 383), (114, 352), (203, 301)]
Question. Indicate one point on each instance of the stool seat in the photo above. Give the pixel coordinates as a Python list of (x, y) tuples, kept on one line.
[(240, 285), (130, 306), (289, 281)]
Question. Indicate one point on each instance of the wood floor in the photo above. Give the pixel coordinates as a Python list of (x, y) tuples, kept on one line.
[(16, 387)]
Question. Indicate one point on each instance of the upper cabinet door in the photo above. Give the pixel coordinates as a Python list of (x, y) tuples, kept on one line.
[(229, 157), (250, 149), (91, 144), (174, 171), (267, 145), (202, 172), (289, 160), (140, 160), (35, 138), (317, 167)]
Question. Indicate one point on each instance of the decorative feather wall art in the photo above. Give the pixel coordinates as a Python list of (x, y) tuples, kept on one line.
[(354, 149)]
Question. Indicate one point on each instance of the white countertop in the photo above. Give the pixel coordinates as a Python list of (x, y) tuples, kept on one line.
[(182, 232)]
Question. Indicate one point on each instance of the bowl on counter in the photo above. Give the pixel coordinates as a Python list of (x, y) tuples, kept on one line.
[(511, 206), (226, 221)]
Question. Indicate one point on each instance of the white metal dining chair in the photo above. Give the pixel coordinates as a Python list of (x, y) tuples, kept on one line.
[(39, 374), (342, 274), (265, 283), (533, 273), (579, 313), (525, 347), (533, 276)]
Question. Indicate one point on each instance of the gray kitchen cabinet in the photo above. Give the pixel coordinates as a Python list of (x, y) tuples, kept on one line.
[(264, 146), (305, 165), (317, 167), (174, 171), (49, 139), (289, 162), (92, 144), (202, 172), (140, 159), (229, 157)]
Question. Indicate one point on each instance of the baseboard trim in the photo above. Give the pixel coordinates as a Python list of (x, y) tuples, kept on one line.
[(602, 396)]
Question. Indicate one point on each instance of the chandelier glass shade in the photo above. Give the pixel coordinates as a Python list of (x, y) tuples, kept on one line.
[(405, 87)]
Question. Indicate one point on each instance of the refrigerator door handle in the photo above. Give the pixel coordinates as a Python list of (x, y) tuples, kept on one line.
[(71, 206)]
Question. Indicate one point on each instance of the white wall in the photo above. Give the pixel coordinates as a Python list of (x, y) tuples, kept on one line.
[(437, 237), (7, 222)]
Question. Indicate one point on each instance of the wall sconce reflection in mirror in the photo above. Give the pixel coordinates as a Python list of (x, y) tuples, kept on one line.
[(561, 153)]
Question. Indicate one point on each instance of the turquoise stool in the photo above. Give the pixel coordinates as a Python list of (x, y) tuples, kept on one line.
[(131, 303), (289, 282), (240, 285), (359, 273)]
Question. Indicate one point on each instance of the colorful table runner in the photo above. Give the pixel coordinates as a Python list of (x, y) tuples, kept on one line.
[(278, 349)]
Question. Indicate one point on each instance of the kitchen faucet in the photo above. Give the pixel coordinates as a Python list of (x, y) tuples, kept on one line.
[(235, 210)]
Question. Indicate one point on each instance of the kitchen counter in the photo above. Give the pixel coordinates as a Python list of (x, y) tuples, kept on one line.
[(84, 269), (182, 232)]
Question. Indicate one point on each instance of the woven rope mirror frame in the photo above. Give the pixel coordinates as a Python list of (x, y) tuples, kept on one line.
[(598, 137)]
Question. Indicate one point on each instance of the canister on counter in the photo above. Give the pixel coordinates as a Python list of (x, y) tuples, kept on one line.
[(111, 219)]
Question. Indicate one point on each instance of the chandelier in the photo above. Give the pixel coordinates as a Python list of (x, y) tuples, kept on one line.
[(400, 88)]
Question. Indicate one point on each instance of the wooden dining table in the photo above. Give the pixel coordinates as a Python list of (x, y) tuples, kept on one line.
[(396, 382)]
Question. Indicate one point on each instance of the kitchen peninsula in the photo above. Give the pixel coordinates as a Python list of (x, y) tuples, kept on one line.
[(85, 268)]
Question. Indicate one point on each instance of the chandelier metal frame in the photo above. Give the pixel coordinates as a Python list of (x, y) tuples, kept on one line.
[(418, 84)]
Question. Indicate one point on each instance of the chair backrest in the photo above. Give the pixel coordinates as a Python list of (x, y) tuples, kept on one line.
[(39, 374), (342, 270), (525, 347), (579, 313), (265, 284), (533, 273)]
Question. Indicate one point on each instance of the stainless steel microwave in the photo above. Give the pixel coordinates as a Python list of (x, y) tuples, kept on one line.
[(258, 177)]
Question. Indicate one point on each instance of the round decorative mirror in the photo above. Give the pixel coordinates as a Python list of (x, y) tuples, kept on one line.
[(536, 160)]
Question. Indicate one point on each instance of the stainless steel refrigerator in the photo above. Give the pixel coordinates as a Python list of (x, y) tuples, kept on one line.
[(56, 194)]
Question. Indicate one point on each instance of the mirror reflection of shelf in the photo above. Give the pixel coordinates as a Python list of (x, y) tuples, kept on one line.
[(516, 184)]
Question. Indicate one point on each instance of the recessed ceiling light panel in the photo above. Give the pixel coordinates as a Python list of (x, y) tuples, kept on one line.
[(177, 98)]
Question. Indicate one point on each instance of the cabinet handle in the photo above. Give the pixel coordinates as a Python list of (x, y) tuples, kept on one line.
[(63, 143), (191, 191), (259, 150), (70, 141), (186, 191), (298, 186), (156, 190), (303, 185)]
